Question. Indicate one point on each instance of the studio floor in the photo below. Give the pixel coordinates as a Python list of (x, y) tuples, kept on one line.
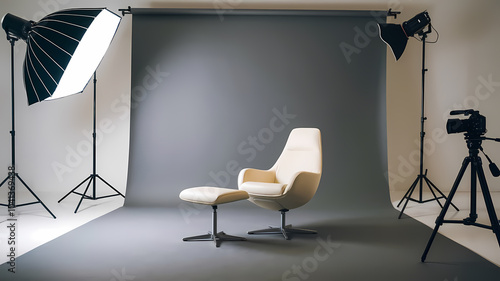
[(482, 241), (146, 244), (37, 227)]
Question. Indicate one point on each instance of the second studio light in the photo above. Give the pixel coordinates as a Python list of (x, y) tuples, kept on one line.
[(396, 35)]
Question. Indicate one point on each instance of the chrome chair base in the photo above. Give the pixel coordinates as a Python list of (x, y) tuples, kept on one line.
[(284, 230)]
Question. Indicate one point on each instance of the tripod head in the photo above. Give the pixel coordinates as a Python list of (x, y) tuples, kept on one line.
[(474, 145)]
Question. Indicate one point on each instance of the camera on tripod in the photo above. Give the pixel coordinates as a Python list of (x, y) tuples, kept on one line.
[(474, 126)]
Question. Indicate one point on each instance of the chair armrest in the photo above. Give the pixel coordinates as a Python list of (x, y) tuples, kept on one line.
[(301, 179), (256, 175)]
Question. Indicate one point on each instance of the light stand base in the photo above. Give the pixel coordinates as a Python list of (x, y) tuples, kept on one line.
[(90, 179), (32, 193), (422, 178)]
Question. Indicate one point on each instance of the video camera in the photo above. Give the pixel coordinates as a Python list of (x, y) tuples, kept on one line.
[(474, 126)]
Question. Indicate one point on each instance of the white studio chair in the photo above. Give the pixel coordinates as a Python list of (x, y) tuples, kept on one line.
[(290, 183)]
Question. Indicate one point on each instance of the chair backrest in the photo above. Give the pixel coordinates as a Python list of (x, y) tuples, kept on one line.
[(302, 152)]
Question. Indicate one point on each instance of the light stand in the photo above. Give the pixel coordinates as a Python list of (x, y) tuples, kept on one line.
[(477, 172), (421, 177), (92, 178), (63, 49), (12, 173)]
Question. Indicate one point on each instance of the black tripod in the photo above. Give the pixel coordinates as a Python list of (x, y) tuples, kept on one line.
[(477, 172), (93, 177), (421, 177), (12, 175)]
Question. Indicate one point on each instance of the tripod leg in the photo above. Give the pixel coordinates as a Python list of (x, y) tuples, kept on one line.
[(84, 194), (429, 183), (110, 186), (432, 191), (32, 193), (8, 177), (495, 226), (74, 189), (409, 192), (9, 198), (412, 188), (440, 218)]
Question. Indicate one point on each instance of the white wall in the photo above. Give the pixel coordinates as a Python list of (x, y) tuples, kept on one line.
[(53, 153), (465, 55)]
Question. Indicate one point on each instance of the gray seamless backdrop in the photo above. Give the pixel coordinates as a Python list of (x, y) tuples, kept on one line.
[(216, 91), (210, 97)]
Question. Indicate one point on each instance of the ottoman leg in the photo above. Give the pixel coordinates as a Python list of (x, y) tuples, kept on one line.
[(215, 236)]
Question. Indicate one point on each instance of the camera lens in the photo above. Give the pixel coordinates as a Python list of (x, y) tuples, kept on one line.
[(454, 126)]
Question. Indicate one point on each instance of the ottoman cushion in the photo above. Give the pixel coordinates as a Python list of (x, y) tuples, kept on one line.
[(212, 195)]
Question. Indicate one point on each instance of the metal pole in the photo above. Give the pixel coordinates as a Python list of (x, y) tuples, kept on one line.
[(423, 118), (12, 181), (13, 132), (94, 138), (12, 175), (214, 221)]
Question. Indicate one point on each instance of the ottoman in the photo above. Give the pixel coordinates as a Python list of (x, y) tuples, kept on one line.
[(213, 196)]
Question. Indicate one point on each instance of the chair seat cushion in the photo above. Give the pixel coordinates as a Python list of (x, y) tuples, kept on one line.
[(209, 195), (263, 188)]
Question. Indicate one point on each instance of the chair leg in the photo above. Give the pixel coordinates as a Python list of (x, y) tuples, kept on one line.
[(203, 237), (283, 229), (215, 236)]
